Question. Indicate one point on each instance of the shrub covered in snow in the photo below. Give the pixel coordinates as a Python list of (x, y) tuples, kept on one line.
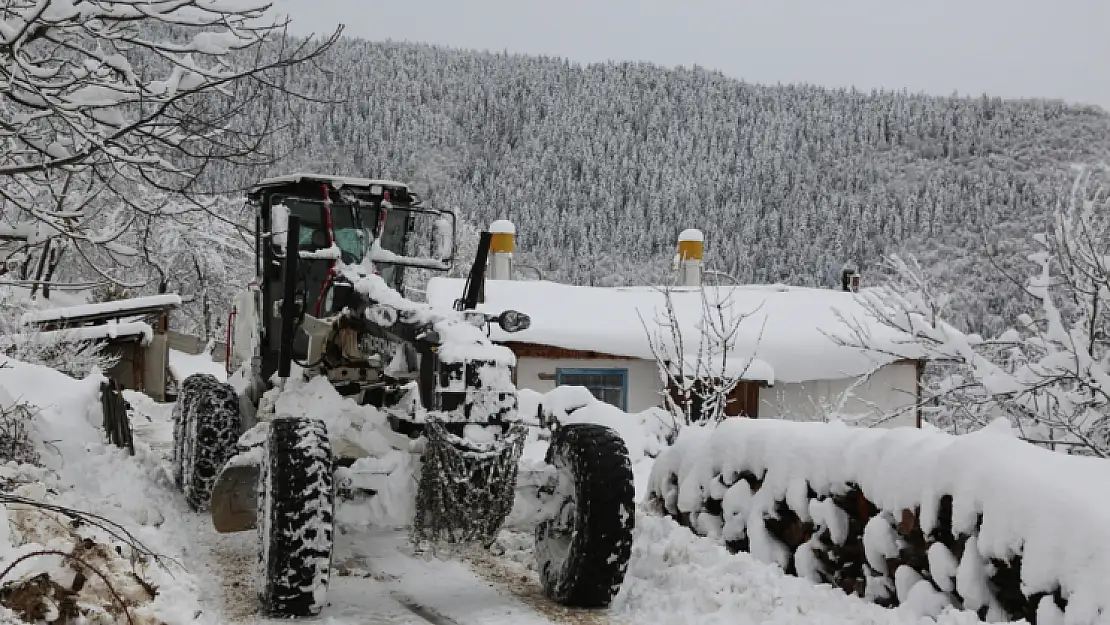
[(15, 431), (57, 350), (1050, 373), (921, 519)]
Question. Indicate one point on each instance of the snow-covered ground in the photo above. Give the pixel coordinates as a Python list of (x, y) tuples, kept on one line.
[(376, 579), (674, 576), (183, 365), (80, 471)]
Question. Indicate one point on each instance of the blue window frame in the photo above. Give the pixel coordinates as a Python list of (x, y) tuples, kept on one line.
[(608, 385)]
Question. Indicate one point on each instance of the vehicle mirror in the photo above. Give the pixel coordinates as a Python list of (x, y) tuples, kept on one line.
[(443, 244), (514, 321), (279, 227)]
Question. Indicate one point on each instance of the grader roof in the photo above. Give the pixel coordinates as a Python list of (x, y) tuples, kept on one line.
[(336, 182), (311, 186)]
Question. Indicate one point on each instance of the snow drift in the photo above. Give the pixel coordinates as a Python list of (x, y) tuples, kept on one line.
[(922, 519), (66, 566)]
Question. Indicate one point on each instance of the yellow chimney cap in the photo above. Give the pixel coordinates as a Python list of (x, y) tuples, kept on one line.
[(502, 226), (503, 239), (691, 234), (691, 244)]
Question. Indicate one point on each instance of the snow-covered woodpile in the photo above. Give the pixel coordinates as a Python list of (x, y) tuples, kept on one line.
[(927, 520)]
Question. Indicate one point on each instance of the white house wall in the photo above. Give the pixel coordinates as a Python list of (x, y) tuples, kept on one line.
[(643, 376), (891, 388)]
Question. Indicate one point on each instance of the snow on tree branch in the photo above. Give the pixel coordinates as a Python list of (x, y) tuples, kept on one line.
[(73, 94), (111, 111), (1050, 375)]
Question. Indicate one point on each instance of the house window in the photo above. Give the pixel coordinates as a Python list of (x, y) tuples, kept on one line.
[(608, 385)]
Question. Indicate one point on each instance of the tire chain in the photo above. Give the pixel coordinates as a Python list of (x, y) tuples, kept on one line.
[(466, 491)]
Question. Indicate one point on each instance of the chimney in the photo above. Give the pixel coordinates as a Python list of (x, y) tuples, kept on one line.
[(849, 279), (501, 247), (691, 244)]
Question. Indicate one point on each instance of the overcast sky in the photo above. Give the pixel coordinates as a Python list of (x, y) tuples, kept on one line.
[(1011, 48)]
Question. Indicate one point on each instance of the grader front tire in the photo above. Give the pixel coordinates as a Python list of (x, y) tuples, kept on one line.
[(583, 551), (296, 513)]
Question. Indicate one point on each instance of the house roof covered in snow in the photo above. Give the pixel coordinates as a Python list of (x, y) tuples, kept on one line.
[(102, 311), (785, 335)]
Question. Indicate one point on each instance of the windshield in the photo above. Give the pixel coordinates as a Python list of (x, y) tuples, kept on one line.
[(352, 231), (349, 237), (392, 237)]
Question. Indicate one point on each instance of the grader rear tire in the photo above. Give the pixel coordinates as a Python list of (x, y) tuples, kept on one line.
[(583, 551), (206, 429), (296, 499), (187, 393)]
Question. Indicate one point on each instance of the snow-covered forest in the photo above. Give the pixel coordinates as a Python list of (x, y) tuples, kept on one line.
[(601, 166)]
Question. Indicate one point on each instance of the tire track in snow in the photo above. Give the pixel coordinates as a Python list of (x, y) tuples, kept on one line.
[(424, 612), (235, 566), (525, 586)]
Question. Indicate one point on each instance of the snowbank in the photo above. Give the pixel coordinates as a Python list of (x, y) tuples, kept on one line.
[(81, 472), (677, 577), (906, 517)]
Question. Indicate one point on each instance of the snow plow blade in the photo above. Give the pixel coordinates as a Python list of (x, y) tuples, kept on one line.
[(234, 503)]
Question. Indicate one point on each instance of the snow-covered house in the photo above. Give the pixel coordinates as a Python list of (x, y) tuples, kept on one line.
[(598, 337)]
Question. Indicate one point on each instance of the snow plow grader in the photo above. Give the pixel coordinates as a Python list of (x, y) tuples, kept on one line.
[(327, 308)]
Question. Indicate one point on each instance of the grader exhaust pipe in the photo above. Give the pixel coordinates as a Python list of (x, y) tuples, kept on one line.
[(289, 297)]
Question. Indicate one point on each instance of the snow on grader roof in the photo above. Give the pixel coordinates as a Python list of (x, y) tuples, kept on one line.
[(786, 338), (333, 180)]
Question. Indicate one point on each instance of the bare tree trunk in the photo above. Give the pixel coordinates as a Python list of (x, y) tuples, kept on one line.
[(26, 266), (206, 304), (57, 254), (41, 270)]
